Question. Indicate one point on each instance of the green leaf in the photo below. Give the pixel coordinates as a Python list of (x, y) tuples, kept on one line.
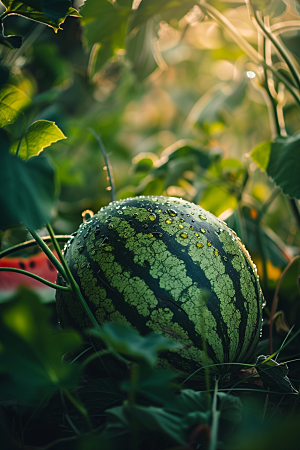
[(31, 352), (149, 8), (12, 101), (222, 96), (121, 419), (55, 9), (130, 344), (261, 154), (39, 135), (281, 160), (154, 384), (11, 42), (274, 375), (49, 12), (105, 24), (217, 199), (140, 50), (27, 189)]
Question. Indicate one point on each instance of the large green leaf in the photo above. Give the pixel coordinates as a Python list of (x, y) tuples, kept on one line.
[(140, 50), (27, 189), (49, 12), (12, 101), (39, 135), (156, 420), (281, 160), (105, 25), (130, 344), (169, 9), (31, 352)]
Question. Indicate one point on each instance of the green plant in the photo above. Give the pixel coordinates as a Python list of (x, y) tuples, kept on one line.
[(174, 90)]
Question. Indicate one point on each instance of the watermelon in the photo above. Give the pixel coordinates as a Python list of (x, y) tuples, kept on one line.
[(38, 264), (166, 265)]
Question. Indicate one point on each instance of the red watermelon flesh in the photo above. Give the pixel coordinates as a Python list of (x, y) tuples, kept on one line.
[(38, 264)]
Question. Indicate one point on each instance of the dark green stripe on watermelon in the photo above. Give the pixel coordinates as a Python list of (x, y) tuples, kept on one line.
[(146, 262)]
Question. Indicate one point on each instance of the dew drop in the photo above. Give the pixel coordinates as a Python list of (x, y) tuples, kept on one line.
[(172, 212), (183, 235)]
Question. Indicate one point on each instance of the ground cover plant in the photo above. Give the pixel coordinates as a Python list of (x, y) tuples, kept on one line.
[(106, 100)]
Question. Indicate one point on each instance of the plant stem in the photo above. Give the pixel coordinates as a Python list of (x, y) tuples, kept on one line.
[(36, 277), (80, 408), (69, 278), (277, 44), (215, 420), (31, 243), (107, 163), (94, 356), (49, 253), (246, 47)]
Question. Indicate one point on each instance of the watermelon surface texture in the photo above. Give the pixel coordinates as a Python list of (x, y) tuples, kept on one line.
[(166, 265)]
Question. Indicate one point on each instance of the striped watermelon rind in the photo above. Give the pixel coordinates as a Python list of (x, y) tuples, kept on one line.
[(148, 262)]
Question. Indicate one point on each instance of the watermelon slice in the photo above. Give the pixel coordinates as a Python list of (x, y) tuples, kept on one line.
[(38, 264)]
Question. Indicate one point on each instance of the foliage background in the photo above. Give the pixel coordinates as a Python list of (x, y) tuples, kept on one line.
[(179, 107)]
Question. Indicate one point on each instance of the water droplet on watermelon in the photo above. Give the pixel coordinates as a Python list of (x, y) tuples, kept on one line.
[(150, 235), (191, 228), (183, 235), (152, 217), (172, 212), (216, 252), (145, 226), (209, 244), (181, 220), (199, 244), (181, 226), (110, 226), (202, 217), (168, 221), (202, 230)]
